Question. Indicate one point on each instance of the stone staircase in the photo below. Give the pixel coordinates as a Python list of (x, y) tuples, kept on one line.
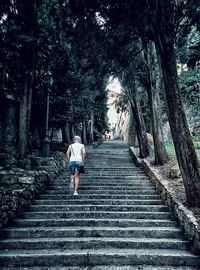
[(116, 222)]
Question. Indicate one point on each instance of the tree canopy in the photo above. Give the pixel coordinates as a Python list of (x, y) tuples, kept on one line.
[(82, 43)]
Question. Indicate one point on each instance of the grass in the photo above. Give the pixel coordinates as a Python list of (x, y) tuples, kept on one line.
[(197, 146), (196, 138), (170, 146)]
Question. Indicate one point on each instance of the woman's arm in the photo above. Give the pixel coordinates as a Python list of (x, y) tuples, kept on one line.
[(83, 150), (68, 152)]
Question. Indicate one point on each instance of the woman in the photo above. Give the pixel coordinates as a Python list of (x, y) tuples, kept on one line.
[(76, 154)]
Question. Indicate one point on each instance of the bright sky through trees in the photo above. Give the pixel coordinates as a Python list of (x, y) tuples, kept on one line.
[(114, 84)]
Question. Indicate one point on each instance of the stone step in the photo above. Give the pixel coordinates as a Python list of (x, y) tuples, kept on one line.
[(98, 196), (95, 222), (112, 174), (109, 163), (99, 201), (104, 207), (129, 167), (117, 174), (117, 179), (119, 168), (107, 188), (104, 182), (109, 256), (125, 171), (114, 155), (117, 220), (110, 178), (93, 243), (105, 192), (105, 166), (104, 267), (113, 179), (99, 186), (99, 214), (108, 181), (55, 232), (108, 160), (104, 160)]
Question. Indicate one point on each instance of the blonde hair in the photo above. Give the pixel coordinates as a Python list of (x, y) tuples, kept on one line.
[(77, 138)]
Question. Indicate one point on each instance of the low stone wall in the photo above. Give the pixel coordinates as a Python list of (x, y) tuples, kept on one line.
[(185, 217), (18, 187)]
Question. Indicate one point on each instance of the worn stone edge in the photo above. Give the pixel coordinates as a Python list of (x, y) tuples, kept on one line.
[(185, 217)]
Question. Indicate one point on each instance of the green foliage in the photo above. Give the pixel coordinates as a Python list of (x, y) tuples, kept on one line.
[(65, 37), (197, 146), (196, 138), (170, 147), (41, 35), (121, 103), (193, 45), (190, 89), (188, 45)]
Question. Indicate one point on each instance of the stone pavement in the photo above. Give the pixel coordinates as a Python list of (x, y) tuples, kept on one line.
[(117, 222)]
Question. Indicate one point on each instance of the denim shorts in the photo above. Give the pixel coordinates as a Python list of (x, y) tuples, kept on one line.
[(73, 166)]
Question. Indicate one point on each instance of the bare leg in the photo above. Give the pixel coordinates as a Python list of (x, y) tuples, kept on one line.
[(76, 181), (71, 182)]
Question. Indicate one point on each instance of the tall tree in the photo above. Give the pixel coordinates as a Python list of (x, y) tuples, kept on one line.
[(159, 21), (155, 83), (185, 152), (129, 85)]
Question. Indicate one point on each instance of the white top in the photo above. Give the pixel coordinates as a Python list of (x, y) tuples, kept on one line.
[(76, 152)]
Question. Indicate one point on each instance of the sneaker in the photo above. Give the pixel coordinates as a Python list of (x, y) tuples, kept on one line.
[(71, 186), (75, 193)]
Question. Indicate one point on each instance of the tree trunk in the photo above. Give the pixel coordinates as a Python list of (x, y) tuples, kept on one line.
[(130, 90), (183, 143), (72, 132), (160, 153), (23, 125), (140, 129), (29, 98), (66, 134), (92, 127), (28, 57), (131, 130), (64, 139), (84, 132)]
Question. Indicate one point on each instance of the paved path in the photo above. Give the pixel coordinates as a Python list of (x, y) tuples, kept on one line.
[(116, 222)]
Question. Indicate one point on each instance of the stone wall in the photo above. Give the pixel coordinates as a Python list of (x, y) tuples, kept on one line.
[(186, 218), (19, 188)]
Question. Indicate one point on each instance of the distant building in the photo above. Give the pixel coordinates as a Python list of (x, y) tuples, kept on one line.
[(112, 114), (125, 129), (120, 123)]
